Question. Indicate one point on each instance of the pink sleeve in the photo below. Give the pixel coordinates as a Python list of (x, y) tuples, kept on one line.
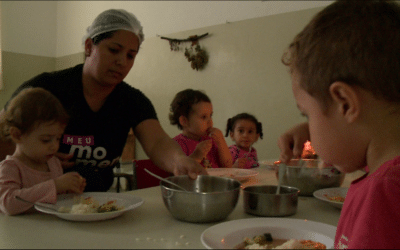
[(11, 184)]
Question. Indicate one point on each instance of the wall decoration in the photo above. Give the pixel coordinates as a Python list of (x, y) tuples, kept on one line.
[(195, 54)]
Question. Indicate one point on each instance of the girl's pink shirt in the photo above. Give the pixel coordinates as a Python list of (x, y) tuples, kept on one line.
[(236, 153), (370, 217), (188, 146), (36, 186)]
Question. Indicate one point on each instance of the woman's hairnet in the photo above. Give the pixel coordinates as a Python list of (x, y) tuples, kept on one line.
[(114, 19)]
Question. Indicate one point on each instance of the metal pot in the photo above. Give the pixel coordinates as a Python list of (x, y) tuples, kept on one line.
[(209, 199), (309, 178), (263, 200)]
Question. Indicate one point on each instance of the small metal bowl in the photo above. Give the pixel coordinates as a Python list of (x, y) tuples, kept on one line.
[(309, 178), (263, 200), (210, 198)]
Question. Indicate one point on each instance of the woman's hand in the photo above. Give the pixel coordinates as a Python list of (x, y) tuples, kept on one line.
[(70, 182), (291, 143), (64, 158), (188, 166)]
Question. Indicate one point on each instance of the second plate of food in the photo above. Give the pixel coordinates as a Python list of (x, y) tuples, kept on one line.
[(236, 234), (236, 173), (333, 196), (104, 205)]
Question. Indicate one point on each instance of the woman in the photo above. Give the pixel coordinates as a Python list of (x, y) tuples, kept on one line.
[(103, 108)]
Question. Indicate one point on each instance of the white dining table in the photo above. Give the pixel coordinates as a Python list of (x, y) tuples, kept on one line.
[(148, 226)]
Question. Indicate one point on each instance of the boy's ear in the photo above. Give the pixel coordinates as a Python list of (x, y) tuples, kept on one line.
[(183, 121), (15, 134), (347, 100)]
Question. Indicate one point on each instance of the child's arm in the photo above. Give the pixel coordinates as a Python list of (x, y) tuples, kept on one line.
[(225, 158), (11, 185)]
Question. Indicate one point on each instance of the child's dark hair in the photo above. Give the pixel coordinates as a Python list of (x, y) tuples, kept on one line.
[(29, 108), (183, 103), (356, 42), (230, 125)]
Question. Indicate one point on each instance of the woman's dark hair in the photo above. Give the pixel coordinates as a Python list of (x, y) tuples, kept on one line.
[(230, 126), (183, 102), (97, 39)]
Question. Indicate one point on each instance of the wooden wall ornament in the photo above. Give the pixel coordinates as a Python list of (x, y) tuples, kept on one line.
[(196, 55)]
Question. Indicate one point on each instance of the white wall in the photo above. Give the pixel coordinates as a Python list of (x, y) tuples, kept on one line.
[(28, 27), (164, 17), (55, 28)]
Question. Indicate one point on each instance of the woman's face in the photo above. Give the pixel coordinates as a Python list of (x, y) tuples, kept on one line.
[(110, 61)]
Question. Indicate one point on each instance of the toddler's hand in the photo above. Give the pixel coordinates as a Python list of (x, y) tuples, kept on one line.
[(240, 163), (201, 150), (70, 182), (216, 135)]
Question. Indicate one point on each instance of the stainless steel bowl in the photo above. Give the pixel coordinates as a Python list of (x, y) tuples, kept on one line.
[(263, 200), (210, 198), (309, 178)]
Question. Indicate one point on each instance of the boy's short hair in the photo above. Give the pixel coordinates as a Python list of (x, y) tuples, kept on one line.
[(183, 102), (356, 42)]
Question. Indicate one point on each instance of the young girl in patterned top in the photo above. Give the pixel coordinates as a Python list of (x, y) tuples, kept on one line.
[(191, 110), (244, 129), (35, 120)]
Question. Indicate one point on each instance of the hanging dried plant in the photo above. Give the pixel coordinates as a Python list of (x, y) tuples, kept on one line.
[(198, 59), (174, 45)]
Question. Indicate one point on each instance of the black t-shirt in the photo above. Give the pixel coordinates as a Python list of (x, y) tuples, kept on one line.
[(97, 138)]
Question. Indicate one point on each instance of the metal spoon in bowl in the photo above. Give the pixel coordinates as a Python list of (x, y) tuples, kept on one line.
[(167, 181), (37, 204), (282, 168)]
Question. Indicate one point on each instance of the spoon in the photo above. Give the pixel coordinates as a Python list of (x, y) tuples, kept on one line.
[(282, 168), (36, 204), (167, 181)]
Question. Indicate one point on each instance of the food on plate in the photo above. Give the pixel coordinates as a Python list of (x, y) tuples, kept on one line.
[(265, 241), (336, 198), (89, 205)]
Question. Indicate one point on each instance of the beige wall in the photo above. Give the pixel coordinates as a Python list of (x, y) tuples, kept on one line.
[(244, 73)]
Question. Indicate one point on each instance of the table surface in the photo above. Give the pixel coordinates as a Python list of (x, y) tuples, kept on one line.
[(148, 226)]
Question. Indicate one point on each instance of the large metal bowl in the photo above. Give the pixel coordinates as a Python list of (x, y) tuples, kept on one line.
[(263, 200), (209, 199), (309, 178)]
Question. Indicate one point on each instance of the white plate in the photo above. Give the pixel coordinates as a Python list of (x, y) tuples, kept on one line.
[(229, 234), (128, 201), (236, 173), (323, 193)]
